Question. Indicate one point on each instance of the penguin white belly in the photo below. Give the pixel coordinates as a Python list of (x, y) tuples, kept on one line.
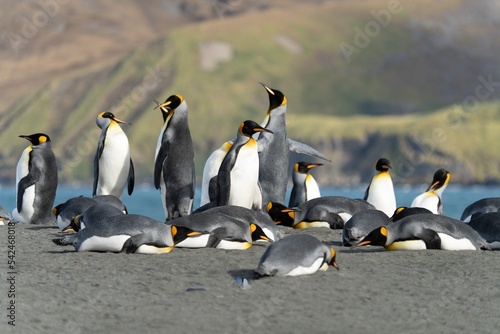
[(148, 249), (22, 170), (210, 170), (225, 244), (407, 245), (244, 177), (104, 244), (314, 267), (450, 243), (114, 165), (311, 224), (199, 241), (312, 189), (28, 206), (427, 201), (381, 194)]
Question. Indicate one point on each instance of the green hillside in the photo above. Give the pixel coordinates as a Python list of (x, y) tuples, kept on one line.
[(388, 100)]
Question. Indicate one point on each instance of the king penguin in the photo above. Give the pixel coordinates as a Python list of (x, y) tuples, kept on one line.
[(126, 233), (431, 199), (238, 177), (296, 255), (479, 207), (274, 150), (380, 191), (174, 172), (304, 187), (426, 231), (113, 167), (210, 171), (36, 180)]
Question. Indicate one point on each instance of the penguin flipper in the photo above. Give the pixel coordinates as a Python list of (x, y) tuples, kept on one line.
[(367, 191), (224, 182), (96, 173), (212, 189), (131, 178), (160, 159), (24, 183), (302, 148), (430, 237), (134, 242)]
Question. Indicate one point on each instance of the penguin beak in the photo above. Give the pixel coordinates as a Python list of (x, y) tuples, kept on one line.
[(433, 186), (364, 243), (117, 120), (269, 90), (262, 130), (332, 260), (311, 166), (162, 105), (25, 137)]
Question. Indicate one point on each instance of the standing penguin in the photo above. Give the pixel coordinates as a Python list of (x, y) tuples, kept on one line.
[(210, 171), (431, 199), (113, 167), (238, 177), (36, 180), (380, 191), (274, 150), (174, 172), (274, 154), (305, 187)]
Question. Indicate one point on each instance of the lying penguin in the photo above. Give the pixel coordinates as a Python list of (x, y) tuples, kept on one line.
[(219, 230), (326, 211), (294, 255), (488, 226), (248, 216), (426, 231), (127, 233), (66, 212), (484, 205)]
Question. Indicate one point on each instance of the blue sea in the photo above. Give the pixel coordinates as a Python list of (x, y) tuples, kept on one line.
[(146, 200)]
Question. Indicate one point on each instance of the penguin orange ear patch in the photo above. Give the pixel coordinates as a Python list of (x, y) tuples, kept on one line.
[(253, 227), (383, 231), (42, 139)]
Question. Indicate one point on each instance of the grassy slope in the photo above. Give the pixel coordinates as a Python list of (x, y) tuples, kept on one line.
[(321, 88)]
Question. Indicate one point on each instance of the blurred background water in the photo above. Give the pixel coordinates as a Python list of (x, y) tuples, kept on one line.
[(146, 200)]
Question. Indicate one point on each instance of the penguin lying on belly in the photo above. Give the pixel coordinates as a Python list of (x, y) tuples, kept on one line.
[(296, 255), (127, 233), (326, 211), (426, 231)]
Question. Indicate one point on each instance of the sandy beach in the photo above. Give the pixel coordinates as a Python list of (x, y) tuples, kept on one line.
[(58, 290)]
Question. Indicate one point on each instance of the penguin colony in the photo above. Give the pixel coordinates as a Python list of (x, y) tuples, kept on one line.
[(243, 191)]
